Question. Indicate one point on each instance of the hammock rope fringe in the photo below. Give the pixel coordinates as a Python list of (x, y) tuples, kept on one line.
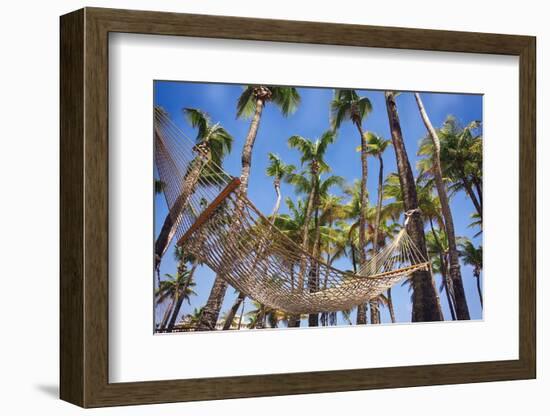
[(223, 229)]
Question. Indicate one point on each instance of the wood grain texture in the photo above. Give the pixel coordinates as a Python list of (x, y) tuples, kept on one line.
[(84, 207), (71, 208)]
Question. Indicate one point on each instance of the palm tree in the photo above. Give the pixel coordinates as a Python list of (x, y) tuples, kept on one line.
[(176, 288), (279, 171), (250, 104), (312, 155), (461, 304), (438, 249), (426, 305), (186, 290), (230, 315), (193, 318), (376, 146), (473, 256), (213, 143), (461, 156), (348, 105)]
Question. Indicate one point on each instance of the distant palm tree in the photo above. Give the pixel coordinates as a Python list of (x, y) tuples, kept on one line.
[(313, 155), (176, 288), (348, 105), (213, 143), (473, 256), (279, 171), (250, 104)]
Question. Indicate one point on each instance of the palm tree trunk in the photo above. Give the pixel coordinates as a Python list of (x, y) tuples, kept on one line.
[(468, 188), (294, 320), (175, 312), (362, 317), (211, 310), (166, 316), (374, 307), (477, 184), (374, 311), (426, 305), (461, 304), (447, 286), (444, 276), (241, 315), (260, 320), (172, 220), (478, 283), (277, 186), (390, 306), (233, 311), (313, 284)]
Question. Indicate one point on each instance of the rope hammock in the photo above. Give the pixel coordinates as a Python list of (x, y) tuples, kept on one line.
[(223, 229)]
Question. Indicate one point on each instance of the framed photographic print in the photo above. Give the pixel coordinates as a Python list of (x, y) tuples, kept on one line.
[(260, 195)]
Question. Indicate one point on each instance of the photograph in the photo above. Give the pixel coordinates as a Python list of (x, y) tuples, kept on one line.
[(299, 207)]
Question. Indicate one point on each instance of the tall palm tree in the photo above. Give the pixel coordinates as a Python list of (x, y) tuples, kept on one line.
[(426, 305), (348, 105), (473, 256), (250, 104), (213, 143), (461, 304), (376, 146), (313, 155)]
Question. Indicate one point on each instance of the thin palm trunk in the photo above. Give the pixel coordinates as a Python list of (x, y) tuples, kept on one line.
[(374, 306), (470, 192), (211, 311), (313, 284), (180, 298), (426, 305), (294, 320), (233, 311), (477, 185), (461, 304), (390, 305), (361, 310), (241, 315), (166, 316), (277, 186), (444, 276), (478, 283)]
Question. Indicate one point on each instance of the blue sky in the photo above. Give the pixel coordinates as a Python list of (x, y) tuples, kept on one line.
[(311, 120)]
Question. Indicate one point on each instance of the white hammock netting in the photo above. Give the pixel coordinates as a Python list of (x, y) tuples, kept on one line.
[(221, 227)]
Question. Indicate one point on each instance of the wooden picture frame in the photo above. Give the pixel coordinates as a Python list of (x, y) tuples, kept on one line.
[(84, 207)]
